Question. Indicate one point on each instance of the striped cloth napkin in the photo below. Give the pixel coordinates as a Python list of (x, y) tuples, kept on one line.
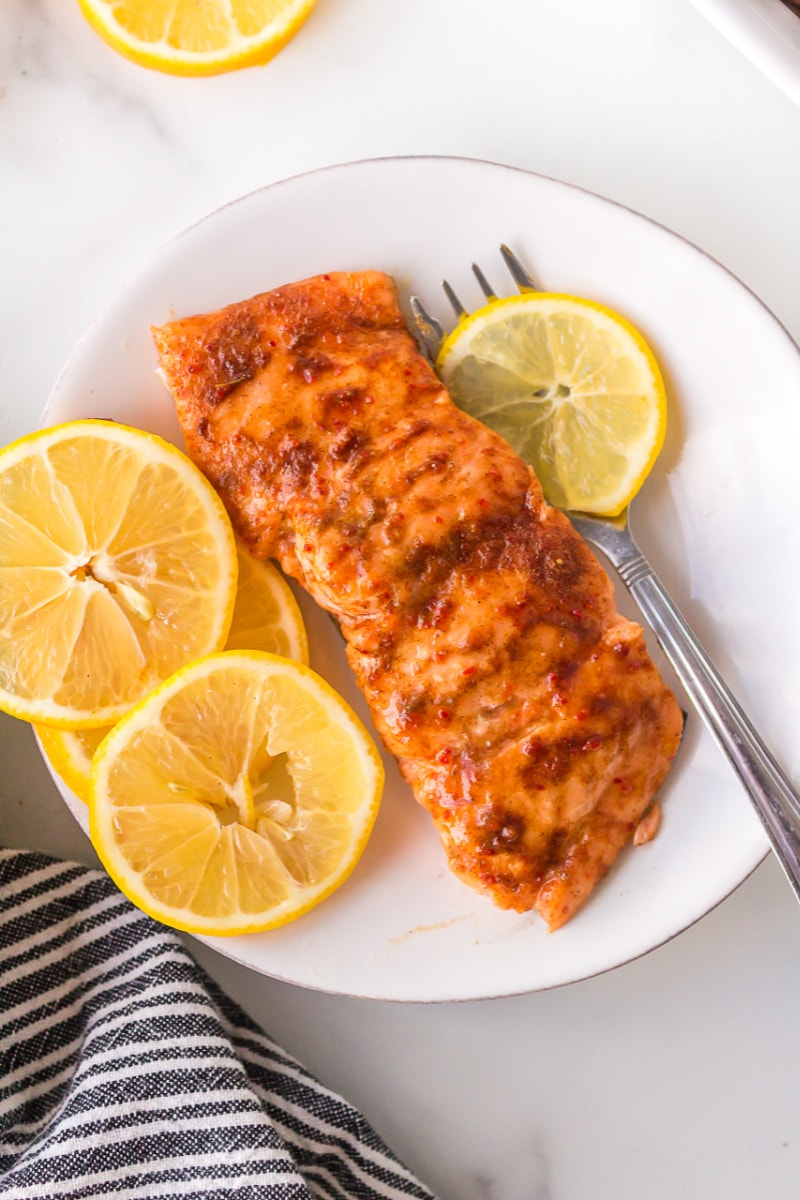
[(126, 1072)]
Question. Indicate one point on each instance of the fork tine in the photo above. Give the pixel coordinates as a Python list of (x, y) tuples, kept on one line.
[(428, 327), (485, 286), (455, 303), (521, 278)]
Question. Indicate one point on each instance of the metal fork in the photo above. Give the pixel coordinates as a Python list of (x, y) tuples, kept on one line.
[(772, 793)]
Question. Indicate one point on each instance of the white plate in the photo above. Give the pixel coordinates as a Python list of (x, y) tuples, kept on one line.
[(712, 517), (767, 32)]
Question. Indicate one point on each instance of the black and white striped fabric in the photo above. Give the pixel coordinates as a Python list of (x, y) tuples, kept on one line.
[(125, 1072)]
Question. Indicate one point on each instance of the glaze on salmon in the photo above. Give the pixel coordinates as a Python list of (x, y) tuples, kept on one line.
[(523, 710)]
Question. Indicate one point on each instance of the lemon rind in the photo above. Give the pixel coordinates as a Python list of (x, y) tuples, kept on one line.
[(44, 711), (611, 503), (290, 616), (254, 51), (129, 881), (62, 761)]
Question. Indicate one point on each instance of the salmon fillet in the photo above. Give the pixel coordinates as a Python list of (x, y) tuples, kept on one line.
[(523, 710)]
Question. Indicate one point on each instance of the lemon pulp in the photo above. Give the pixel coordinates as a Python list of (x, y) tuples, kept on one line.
[(184, 37), (117, 564), (572, 386), (266, 616), (236, 796), (69, 752)]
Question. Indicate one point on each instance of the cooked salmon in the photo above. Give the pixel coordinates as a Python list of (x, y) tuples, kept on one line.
[(523, 710)]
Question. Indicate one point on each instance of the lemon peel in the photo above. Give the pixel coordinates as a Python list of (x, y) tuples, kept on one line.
[(236, 796), (572, 386)]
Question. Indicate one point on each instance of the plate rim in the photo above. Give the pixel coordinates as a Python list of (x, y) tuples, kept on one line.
[(138, 272), (133, 277)]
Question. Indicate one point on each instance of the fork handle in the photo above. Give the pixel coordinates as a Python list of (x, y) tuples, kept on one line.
[(775, 799)]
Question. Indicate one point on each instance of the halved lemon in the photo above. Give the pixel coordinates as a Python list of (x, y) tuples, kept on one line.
[(266, 616), (236, 796), (197, 37), (571, 385), (117, 566)]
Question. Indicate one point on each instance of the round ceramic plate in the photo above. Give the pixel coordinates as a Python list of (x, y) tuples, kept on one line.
[(715, 517)]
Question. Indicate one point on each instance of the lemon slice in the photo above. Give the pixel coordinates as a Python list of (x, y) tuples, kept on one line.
[(266, 616), (573, 388), (236, 796), (117, 566), (69, 752), (187, 37)]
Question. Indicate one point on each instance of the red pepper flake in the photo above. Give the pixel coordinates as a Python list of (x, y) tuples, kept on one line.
[(326, 276), (445, 715), (496, 476), (582, 715), (468, 671), (272, 342), (559, 699), (445, 756), (577, 613), (593, 743), (440, 655), (553, 679), (482, 503), (193, 368), (308, 547), (438, 520)]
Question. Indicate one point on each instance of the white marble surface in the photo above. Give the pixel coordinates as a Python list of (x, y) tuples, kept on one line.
[(676, 1075)]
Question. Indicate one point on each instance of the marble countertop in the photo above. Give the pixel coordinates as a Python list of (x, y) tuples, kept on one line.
[(678, 1073)]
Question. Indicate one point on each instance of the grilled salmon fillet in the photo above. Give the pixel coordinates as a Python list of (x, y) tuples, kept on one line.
[(523, 710)]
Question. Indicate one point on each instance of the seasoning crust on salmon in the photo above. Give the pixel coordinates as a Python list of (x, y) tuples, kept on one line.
[(523, 710)]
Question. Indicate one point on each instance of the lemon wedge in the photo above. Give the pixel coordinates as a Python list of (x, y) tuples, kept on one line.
[(117, 566), (266, 616), (573, 388), (197, 37), (236, 796)]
